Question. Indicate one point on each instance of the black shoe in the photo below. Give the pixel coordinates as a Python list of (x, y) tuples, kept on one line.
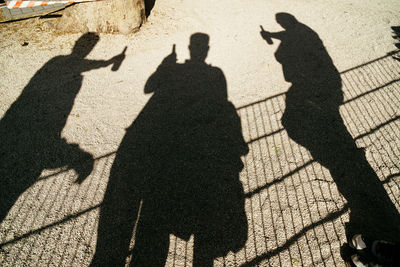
[(360, 261), (382, 252)]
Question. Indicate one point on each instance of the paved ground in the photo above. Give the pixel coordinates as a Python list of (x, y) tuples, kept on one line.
[(18, 13), (305, 184)]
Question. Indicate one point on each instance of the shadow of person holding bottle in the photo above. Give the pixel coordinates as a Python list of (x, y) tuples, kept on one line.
[(177, 169), (312, 119), (30, 130)]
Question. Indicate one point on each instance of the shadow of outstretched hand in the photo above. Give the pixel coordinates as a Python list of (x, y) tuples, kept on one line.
[(266, 35), (118, 60)]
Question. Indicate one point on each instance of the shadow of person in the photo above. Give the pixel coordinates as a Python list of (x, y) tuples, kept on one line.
[(312, 119), (177, 169), (30, 130)]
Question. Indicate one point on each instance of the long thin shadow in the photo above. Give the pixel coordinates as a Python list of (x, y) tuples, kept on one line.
[(391, 177), (371, 91), (283, 177), (371, 131), (177, 170), (260, 101), (66, 169), (377, 128), (278, 180), (388, 55), (264, 136), (290, 241), (30, 131), (312, 119), (41, 229)]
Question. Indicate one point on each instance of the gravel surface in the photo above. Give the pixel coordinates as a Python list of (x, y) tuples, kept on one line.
[(321, 163)]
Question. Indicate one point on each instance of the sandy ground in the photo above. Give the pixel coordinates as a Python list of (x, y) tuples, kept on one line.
[(295, 213)]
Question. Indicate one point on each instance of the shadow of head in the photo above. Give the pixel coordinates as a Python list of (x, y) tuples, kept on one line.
[(286, 20), (198, 46), (85, 44)]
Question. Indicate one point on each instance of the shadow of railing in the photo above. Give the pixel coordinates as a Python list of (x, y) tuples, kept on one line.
[(295, 212), (53, 213)]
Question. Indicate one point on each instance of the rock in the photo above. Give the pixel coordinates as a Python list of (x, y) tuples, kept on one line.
[(47, 26), (123, 16)]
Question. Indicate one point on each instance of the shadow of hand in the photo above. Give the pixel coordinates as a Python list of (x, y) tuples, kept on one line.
[(266, 35), (118, 60)]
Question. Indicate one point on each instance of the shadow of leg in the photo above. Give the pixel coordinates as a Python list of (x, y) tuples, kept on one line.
[(16, 177), (118, 215), (372, 213), (152, 238), (203, 253)]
